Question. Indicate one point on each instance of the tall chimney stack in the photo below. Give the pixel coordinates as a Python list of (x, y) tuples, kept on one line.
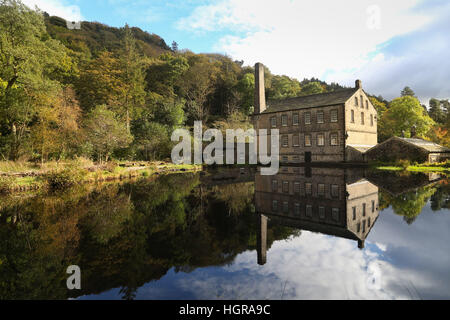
[(358, 84), (260, 93)]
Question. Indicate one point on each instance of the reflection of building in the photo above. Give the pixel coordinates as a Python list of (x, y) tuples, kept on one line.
[(332, 201)]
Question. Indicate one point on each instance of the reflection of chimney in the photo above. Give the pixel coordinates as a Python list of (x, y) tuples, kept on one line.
[(361, 244), (358, 84), (413, 131), (261, 241), (260, 94)]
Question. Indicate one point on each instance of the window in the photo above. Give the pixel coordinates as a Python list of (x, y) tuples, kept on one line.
[(273, 122), (371, 120), (362, 101), (320, 139), (285, 207), (307, 140), (285, 141), (296, 159), (296, 187), (364, 209), (308, 188), (364, 226), (307, 118), (354, 213), (362, 117), (275, 185), (368, 222), (334, 115), (334, 190), (334, 139), (319, 116), (367, 104), (284, 159), (295, 119), (284, 120), (335, 214), (308, 212), (320, 189), (322, 212), (295, 140), (352, 116), (358, 227), (286, 186), (297, 209), (373, 205), (356, 101), (274, 205)]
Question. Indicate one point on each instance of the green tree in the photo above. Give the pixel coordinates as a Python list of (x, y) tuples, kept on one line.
[(285, 87), (436, 113), (105, 132), (402, 114), (407, 91), (246, 89), (312, 88), (30, 65), (133, 89)]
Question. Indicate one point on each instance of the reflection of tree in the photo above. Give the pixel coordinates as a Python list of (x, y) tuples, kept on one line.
[(123, 236), (441, 199), (409, 204)]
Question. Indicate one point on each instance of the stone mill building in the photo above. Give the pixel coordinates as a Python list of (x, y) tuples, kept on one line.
[(330, 127)]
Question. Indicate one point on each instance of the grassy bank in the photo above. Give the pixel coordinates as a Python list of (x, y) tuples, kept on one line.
[(15, 176), (405, 165)]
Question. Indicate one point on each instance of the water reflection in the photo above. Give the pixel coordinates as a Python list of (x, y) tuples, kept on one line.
[(332, 201), (201, 235)]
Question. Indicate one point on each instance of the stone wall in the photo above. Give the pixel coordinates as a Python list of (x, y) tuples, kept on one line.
[(395, 149)]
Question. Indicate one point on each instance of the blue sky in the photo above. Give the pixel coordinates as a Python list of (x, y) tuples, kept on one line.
[(388, 44)]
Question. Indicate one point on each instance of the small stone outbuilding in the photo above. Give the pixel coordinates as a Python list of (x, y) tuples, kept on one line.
[(412, 149)]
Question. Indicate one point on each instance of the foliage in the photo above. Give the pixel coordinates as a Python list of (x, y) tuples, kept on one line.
[(105, 132), (404, 113)]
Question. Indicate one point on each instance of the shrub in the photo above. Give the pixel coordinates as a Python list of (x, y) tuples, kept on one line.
[(403, 163), (6, 184), (57, 180)]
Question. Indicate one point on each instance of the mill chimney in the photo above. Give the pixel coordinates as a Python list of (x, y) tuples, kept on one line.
[(358, 84), (260, 94)]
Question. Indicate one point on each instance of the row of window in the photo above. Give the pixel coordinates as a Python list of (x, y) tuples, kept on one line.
[(309, 210), (352, 118), (308, 140), (361, 98), (334, 188), (364, 209), (320, 118), (358, 226)]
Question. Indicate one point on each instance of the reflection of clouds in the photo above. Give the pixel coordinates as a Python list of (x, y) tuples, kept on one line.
[(313, 266)]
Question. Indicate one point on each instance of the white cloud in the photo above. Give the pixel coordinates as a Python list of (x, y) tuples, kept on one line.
[(60, 8), (324, 38)]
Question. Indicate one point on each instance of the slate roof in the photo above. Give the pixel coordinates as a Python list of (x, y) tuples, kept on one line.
[(427, 145), (315, 100)]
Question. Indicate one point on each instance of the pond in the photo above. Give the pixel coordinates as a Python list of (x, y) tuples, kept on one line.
[(305, 233)]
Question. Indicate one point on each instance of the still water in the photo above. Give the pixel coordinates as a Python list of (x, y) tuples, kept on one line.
[(306, 233)]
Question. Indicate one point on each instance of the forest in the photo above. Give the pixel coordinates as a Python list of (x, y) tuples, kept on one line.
[(117, 93)]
